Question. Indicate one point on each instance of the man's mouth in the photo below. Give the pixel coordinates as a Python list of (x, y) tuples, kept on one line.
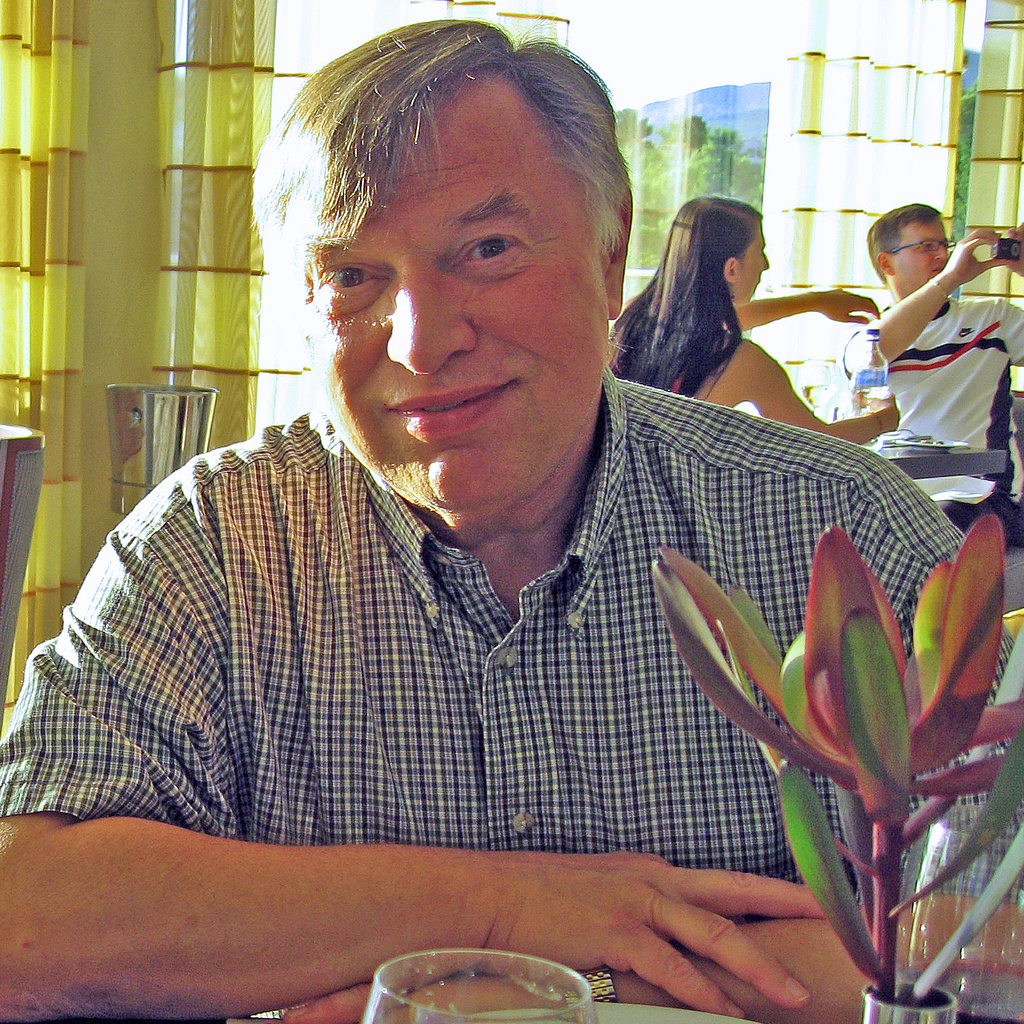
[(438, 419)]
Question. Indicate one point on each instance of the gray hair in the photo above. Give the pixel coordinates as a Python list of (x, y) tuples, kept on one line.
[(339, 153)]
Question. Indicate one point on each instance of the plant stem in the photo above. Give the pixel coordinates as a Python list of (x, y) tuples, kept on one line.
[(888, 849)]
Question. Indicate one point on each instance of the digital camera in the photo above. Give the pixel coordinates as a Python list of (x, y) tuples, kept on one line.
[(1008, 249)]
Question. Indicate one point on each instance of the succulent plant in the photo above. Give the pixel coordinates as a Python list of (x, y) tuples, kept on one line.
[(901, 739)]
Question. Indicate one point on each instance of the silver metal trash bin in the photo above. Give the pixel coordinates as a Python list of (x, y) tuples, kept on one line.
[(154, 430)]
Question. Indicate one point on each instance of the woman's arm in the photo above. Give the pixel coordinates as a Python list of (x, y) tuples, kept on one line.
[(837, 304), (753, 376)]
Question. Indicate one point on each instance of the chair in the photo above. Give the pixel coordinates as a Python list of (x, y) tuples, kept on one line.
[(21, 479)]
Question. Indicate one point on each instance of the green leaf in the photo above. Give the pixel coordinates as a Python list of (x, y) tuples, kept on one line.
[(751, 615), (928, 620), (800, 715), (876, 717), (814, 850)]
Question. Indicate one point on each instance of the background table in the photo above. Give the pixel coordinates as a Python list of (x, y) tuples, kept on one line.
[(922, 463)]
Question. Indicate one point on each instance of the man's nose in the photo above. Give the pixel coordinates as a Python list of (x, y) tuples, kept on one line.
[(429, 326)]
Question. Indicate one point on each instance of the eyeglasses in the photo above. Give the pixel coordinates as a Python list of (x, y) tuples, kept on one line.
[(930, 246)]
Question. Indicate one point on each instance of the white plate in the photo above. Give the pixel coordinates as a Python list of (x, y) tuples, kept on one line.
[(968, 489), (634, 1013), (614, 1013)]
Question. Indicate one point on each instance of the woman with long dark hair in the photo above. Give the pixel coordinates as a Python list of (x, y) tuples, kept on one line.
[(684, 332)]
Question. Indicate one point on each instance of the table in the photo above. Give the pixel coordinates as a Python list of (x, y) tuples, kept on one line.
[(923, 463)]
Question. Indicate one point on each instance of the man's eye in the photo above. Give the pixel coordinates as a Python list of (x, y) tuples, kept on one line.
[(348, 277), (491, 247)]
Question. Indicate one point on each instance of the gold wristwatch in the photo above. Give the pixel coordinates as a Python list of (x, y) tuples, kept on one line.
[(601, 985)]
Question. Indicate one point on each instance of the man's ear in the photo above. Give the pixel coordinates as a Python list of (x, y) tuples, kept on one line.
[(885, 265), (615, 265)]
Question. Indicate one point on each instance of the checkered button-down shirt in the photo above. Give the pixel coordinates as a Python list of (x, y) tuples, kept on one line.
[(273, 648)]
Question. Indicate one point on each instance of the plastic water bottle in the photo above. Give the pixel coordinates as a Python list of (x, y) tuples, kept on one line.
[(869, 374)]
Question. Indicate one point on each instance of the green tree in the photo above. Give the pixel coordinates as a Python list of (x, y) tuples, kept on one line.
[(675, 162), (964, 149)]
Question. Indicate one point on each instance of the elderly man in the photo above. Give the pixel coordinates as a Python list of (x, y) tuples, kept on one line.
[(398, 679), (951, 357)]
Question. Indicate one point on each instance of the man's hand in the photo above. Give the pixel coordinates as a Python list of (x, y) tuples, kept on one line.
[(964, 266), (634, 913)]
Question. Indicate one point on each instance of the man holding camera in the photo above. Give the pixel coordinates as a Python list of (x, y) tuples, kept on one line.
[(950, 358)]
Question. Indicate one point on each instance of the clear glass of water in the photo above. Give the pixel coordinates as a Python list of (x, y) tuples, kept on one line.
[(817, 381), (463, 986), (988, 976)]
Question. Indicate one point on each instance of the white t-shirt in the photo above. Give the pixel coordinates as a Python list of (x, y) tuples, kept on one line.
[(953, 383)]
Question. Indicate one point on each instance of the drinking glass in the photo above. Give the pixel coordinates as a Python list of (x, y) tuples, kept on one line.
[(818, 384), (463, 986), (988, 976)]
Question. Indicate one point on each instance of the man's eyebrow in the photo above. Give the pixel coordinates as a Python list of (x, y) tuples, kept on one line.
[(317, 248), (504, 204)]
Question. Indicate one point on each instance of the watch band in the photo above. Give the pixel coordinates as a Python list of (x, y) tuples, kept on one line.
[(601, 985)]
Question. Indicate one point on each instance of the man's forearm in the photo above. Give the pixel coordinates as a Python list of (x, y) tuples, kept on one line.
[(123, 915), (902, 323), (126, 917)]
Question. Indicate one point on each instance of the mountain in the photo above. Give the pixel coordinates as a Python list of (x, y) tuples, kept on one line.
[(743, 108)]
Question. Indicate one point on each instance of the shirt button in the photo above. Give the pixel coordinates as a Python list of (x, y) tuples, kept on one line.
[(432, 611), (574, 619), (523, 822), (508, 657)]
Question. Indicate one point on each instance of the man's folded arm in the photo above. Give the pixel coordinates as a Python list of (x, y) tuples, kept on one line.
[(126, 916)]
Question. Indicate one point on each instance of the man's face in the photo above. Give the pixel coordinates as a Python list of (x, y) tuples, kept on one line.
[(463, 332), (910, 268)]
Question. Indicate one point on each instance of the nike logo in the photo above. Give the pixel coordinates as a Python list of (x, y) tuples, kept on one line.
[(964, 331)]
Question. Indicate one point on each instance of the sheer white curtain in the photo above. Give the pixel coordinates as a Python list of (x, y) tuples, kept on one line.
[(864, 118), (996, 197), (309, 34)]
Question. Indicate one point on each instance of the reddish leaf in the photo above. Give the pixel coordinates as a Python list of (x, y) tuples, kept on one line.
[(971, 638), (970, 777), (841, 583), (716, 607), (999, 722), (699, 651), (1003, 800)]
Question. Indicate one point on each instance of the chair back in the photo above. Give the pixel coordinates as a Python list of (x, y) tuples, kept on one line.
[(1017, 411), (21, 478)]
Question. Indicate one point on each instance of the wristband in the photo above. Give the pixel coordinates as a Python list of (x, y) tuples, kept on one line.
[(601, 985), (935, 282)]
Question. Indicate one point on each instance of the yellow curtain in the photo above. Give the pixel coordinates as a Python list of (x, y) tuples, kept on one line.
[(44, 64), (215, 82), (865, 119), (996, 196), (546, 18)]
